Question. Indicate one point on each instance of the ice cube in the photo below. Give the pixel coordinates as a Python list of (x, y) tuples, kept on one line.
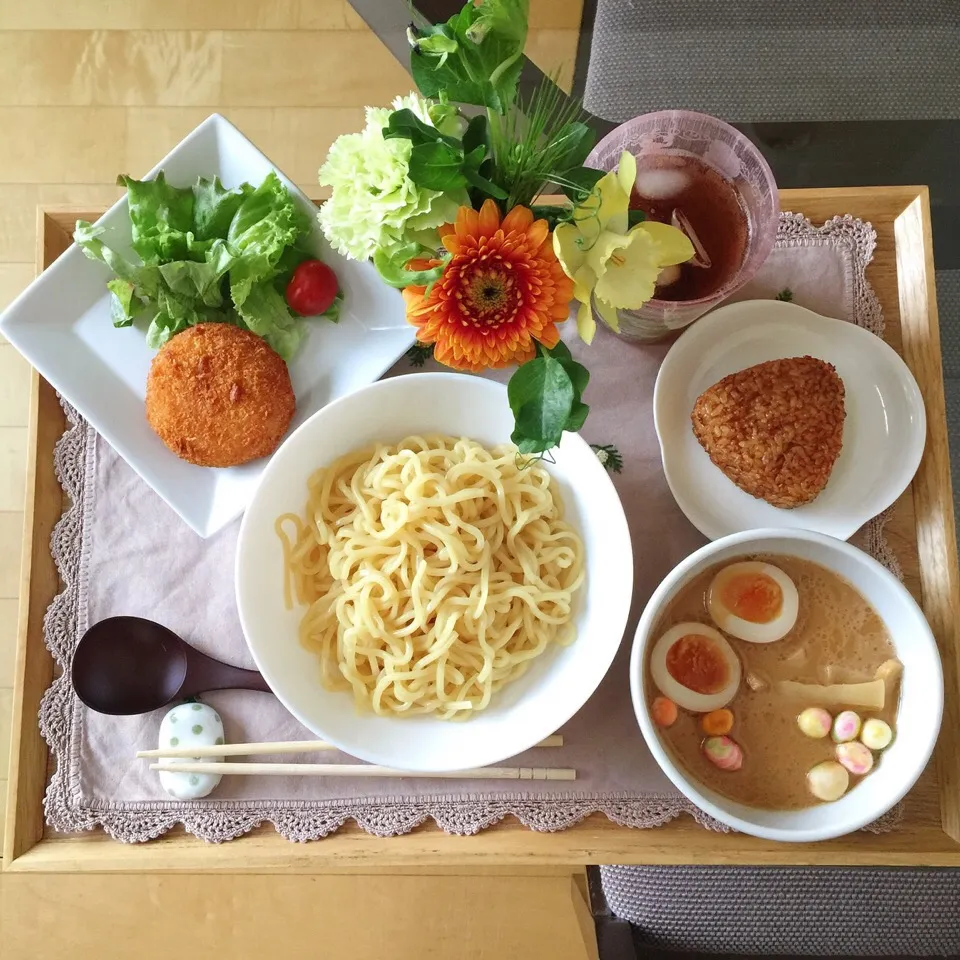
[(661, 184)]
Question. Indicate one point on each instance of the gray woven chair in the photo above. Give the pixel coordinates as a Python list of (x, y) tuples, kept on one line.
[(807, 61), (802, 911)]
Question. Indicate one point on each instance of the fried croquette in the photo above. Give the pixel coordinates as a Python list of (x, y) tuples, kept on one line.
[(775, 429), (218, 396)]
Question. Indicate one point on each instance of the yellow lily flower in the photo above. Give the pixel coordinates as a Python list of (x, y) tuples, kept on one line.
[(609, 261)]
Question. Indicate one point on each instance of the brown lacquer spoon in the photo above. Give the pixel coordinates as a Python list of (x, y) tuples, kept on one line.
[(128, 665)]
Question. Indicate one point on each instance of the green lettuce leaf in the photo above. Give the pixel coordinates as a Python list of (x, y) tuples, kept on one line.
[(161, 217), (210, 255), (265, 313), (266, 223), (215, 207), (176, 313), (145, 279), (200, 281), (332, 313), (122, 309)]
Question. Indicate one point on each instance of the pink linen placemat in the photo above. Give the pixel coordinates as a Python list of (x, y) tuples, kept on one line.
[(121, 550)]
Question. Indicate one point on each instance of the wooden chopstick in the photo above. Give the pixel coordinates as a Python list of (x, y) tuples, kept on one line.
[(366, 770), (288, 746)]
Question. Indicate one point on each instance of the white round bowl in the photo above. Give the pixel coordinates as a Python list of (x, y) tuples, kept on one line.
[(921, 689), (522, 713)]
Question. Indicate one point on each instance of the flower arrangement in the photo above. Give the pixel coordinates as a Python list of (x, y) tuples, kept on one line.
[(446, 207)]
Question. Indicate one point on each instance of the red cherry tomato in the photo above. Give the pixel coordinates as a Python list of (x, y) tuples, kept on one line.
[(312, 288)]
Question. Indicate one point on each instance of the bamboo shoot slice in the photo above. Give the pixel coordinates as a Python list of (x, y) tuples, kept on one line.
[(871, 694)]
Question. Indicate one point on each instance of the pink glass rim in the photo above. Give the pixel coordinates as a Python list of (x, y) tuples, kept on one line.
[(764, 239)]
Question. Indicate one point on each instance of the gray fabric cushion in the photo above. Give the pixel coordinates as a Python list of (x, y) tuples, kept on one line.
[(948, 308), (769, 60), (824, 911)]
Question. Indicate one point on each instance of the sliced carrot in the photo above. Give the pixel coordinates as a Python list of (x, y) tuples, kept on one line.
[(664, 711), (717, 722)]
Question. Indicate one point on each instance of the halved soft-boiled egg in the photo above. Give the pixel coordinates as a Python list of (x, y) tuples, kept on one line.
[(696, 667), (753, 601)]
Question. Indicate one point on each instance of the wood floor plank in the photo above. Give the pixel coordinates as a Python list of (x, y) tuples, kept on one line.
[(13, 466), (176, 15), (9, 611), (61, 144), (266, 70), (14, 390), (91, 67), (18, 211), (3, 808), (6, 716), (295, 138), (152, 917), (11, 536), (14, 277)]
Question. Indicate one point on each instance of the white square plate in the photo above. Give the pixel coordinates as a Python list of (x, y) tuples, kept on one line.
[(61, 324)]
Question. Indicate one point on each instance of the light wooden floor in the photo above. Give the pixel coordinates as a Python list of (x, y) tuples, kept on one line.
[(93, 88)]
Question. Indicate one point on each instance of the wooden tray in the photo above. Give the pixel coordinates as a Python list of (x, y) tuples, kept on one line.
[(921, 533)]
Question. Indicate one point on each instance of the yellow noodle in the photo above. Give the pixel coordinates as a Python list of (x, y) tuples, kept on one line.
[(433, 572)]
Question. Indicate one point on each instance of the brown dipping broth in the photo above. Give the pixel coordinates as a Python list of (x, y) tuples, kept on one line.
[(714, 209), (838, 638)]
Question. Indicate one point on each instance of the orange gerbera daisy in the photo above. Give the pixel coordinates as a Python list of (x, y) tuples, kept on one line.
[(502, 289)]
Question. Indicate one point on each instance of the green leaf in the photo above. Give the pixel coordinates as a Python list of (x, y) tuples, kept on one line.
[(266, 223), (445, 116), (391, 264), (578, 373), (419, 353), (437, 166), (214, 207), (175, 313), (560, 352), (407, 125), (572, 144), (484, 185), (439, 45), (121, 302), (265, 313), (577, 182), (527, 445), (578, 415), (161, 217), (146, 280), (634, 217), (476, 56), (332, 313), (200, 281), (541, 397), (476, 135), (182, 282), (609, 456), (785, 295)]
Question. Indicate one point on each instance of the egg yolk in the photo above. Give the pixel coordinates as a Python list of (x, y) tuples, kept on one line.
[(697, 663), (752, 596)]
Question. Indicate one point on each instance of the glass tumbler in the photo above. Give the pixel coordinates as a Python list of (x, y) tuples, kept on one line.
[(737, 160)]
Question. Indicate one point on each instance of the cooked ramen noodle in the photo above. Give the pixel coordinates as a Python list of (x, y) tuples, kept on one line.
[(434, 572)]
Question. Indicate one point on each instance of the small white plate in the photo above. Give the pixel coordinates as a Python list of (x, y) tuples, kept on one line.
[(883, 434), (61, 324)]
